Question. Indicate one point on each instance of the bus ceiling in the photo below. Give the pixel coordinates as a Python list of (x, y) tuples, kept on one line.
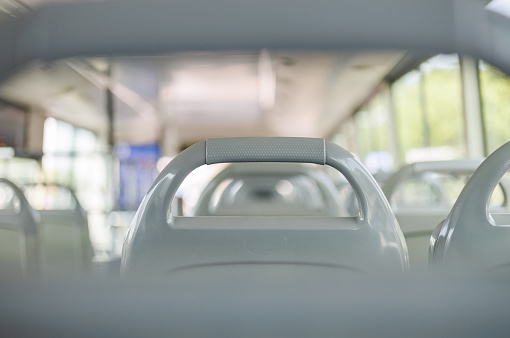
[(60, 30), (34, 42)]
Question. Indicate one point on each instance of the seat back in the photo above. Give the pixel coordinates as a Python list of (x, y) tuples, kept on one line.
[(18, 234), (160, 243), (472, 236), (65, 245), (420, 198)]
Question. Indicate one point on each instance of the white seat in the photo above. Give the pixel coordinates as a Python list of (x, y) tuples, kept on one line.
[(473, 236), (422, 194), (18, 234), (65, 247), (269, 189), (159, 243)]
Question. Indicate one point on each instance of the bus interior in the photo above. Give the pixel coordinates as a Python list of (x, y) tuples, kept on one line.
[(259, 168)]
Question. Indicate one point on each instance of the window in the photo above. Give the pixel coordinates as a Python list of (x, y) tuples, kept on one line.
[(373, 129), (495, 94), (72, 158), (428, 109), (49, 197)]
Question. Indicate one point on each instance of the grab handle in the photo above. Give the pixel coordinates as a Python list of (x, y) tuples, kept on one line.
[(265, 149)]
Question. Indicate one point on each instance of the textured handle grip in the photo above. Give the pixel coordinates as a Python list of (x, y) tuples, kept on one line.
[(267, 149)]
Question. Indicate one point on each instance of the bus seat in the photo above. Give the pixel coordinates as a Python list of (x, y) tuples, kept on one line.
[(473, 236), (159, 243), (269, 189), (420, 196), (65, 245), (18, 234)]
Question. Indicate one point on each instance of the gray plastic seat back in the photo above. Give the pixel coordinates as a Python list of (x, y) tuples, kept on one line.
[(429, 202), (18, 234), (65, 245), (471, 236), (159, 243)]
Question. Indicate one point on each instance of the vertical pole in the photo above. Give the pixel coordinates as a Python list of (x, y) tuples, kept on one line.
[(345, 135), (72, 178), (424, 114), (109, 163), (357, 137), (110, 108), (359, 124), (473, 122), (170, 140), (350, 131), (392, 126)]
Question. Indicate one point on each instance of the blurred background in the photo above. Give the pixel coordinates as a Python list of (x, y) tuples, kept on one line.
[(105, 127)]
